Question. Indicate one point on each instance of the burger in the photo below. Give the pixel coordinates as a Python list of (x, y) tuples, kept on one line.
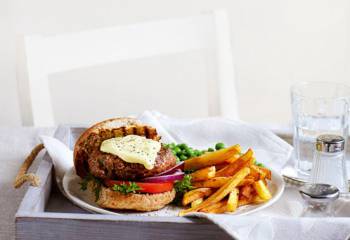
[(123, 162)]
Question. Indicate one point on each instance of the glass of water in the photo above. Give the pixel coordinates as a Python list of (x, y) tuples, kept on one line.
[(317, 108)]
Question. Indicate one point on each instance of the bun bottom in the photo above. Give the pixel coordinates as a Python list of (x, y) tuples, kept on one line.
[(134, 201)]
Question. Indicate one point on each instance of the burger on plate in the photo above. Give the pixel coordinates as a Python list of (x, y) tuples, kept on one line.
[(125, 165)]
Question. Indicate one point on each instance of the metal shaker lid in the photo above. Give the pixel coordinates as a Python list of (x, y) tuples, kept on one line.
[(330, 143), (316, 192)]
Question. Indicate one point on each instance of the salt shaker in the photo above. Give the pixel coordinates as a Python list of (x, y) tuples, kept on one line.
[(329, 166)]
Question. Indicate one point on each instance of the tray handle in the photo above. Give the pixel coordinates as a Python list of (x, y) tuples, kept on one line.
[(22, 175)]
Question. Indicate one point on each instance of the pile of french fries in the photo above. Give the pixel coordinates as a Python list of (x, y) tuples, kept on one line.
[(225, 180)]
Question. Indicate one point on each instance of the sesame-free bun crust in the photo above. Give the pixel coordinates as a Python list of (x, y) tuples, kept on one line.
[(133, 201), (92, 137)]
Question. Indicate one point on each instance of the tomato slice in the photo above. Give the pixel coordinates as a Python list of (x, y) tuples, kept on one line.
[(145, 187)]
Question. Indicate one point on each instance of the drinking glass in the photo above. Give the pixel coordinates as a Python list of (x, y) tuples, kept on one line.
[(317, 108)]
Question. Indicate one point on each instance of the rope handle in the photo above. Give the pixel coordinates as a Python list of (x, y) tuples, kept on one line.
[(22, 175)]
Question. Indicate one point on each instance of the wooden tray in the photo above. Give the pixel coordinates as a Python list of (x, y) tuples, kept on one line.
[(45, 213)]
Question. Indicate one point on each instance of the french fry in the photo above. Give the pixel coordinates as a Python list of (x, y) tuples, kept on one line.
[(221, 209), (233, 158), (244, 201), (262, 190), (215, 182), (246, 191), (248, 155), (264, 180), (232, 202), (195, 194), (203, 174), (254, 175), (225, 180), (267, 172), (257, 173), (246, 181), (196, 202), (220, 166), (257, 200), (211, 158), (230, 169), (221, 192), (233, 167), (214, 207), (218, 182)]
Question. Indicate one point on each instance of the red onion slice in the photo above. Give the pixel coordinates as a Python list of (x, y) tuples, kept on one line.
[(177, 175), (180, 166)]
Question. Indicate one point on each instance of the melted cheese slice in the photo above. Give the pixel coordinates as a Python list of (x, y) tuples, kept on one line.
[(133, 149)]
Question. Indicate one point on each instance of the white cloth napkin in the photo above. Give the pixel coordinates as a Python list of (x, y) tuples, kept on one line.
[(279, 221), (203, 133), (61, 155)]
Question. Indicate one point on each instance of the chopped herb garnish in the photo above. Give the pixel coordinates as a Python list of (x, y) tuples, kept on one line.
[(84, 184), (189, 171), (124, 188), (96, 185), (97, 190), (181, 187), (259, 164)]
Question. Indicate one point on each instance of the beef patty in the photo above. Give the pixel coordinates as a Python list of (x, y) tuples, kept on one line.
[(109, 166)]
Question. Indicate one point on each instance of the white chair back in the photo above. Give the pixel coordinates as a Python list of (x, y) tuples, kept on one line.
[(45, 55)]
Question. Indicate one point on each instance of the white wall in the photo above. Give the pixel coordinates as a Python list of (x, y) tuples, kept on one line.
[(8, 95), (275, 42)]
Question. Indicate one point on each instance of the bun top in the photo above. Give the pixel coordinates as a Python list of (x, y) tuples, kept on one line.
[(92, 138)]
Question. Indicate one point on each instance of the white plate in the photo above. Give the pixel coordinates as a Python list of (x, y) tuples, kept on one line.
[(85, 199)]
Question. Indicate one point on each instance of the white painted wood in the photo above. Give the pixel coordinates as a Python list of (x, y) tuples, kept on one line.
[(23, 83), (36, 198), (57, 53), (228, 105), (58, 228)]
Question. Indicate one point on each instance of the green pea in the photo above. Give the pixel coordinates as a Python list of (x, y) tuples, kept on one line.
[(197, 152), (190, 153), (172, 145), (219, 146), (182, 146), (183, 157), (177, 150), (210, 150)]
